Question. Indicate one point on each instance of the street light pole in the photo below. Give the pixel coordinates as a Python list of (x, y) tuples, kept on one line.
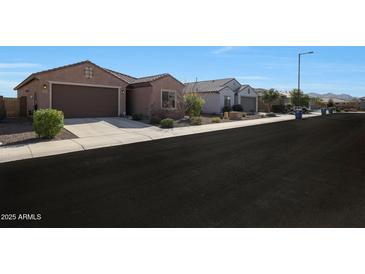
[(299, 55), (299, 79)]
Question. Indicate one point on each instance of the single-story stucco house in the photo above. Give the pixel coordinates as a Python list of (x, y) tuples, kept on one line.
[(223, 92), (85, 89)]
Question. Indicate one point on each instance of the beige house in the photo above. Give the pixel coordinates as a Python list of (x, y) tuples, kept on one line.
[(219, 93), (87, 90)]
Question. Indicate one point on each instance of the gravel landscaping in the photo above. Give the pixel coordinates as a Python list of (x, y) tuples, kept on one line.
[(207, 119), (14, 131)]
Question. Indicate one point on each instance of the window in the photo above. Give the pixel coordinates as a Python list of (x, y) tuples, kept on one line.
[(227, 101), (168, 99), (89, 72)]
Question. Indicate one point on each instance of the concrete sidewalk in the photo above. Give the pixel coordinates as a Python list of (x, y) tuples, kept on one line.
[(118, 131)]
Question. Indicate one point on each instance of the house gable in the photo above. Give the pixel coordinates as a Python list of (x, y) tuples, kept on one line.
[(75, 73)]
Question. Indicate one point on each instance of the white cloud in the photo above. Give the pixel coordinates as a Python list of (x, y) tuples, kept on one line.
[(253, 77), (19, 65), (222, 50)]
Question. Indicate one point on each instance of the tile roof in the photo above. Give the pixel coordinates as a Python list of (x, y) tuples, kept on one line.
[(148, 78), (33, 75), (127, 78), (243, 87), (207, 86)]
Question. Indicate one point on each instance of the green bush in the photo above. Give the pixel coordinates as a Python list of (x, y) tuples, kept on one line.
[(48, 122), (194, 104), (237, 107), (226, 109), (137, 116), (167, 123), (216, 120), (155, 120), (196, 120)]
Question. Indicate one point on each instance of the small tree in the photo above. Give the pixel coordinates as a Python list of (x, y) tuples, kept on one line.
[(193, 104), (298, 98), (330, 103), (269, 97)]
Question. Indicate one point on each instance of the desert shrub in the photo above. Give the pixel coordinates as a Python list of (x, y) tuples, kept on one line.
[(193, 104), (48, 122), (167, 123), (196, 120), (226, 109), (216, 120), (270, 114), (155, 120), (237, 107), (137, 116)]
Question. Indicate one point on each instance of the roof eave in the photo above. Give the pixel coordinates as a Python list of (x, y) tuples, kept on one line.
[(26, 81)]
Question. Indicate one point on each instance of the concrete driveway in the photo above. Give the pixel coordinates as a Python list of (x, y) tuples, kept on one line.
[(100, 132), (92, 127)]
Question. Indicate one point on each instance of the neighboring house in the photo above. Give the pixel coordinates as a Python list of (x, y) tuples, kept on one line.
[(87, 90), (247, 97), (362, 104), (221, 92)]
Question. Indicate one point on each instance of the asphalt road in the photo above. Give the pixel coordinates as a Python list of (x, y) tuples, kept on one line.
[(308, 173)]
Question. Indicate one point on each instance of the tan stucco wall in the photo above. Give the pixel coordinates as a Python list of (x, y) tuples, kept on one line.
[(168, 83), (29, 90), (73, 74), (147, 100), (139, 100)]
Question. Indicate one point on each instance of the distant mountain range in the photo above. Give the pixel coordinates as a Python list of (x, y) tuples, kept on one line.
[(326, 96), (345, 97)]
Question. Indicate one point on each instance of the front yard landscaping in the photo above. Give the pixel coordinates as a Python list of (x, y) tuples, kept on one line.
[(207, 119), (204, 119), (20, 130)]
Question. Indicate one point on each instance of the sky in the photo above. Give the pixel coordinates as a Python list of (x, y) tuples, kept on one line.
[(329, 69)]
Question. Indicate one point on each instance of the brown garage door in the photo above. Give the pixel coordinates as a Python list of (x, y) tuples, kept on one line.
[(83, 101)]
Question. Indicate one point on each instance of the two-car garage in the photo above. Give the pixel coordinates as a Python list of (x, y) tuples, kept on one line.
[(85, 101)]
